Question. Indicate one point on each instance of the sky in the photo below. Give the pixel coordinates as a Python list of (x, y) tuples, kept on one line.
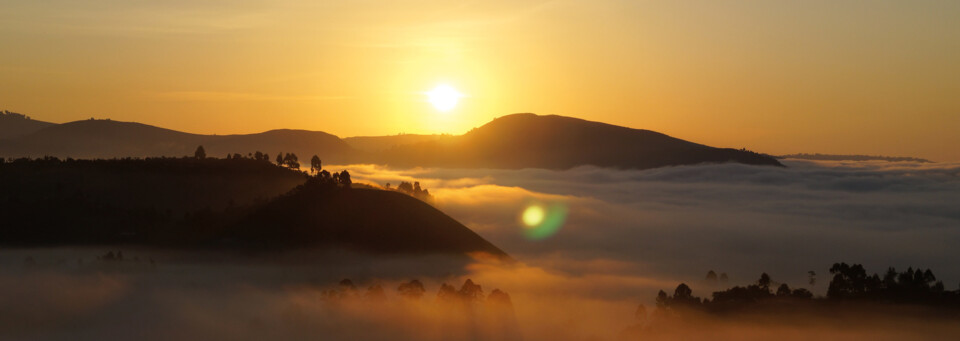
[(845, 77)]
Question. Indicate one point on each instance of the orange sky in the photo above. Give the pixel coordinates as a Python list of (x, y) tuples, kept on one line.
[(864, 77)]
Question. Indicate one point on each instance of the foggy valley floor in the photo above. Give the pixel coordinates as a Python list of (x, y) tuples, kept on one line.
[(626, 235)]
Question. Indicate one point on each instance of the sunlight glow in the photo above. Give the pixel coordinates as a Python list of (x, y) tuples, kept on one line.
[(533, 216), (444, 97)]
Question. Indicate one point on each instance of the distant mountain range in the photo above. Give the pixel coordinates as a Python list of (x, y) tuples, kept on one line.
[(837, 157), (14, 125), (512, 142)]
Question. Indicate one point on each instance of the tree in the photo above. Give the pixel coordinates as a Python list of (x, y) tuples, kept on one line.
[(291, 161), (279, 159), (411, 290), (662, 300), (783, 290), (405, 187), (315, 164), (711, 277), (447, 293), (683, 291), (345, 179), (471, 291), (200, 154), (764, 281)]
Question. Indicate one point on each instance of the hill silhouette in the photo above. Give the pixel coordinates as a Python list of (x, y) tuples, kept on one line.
[(557, 142), (840, 157), (374, 144), (512, 141), (91, 139), (14, 125), (241, 204), (368, 219)]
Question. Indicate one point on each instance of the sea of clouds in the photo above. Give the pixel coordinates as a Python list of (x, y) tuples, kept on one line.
[(627, 234), (680, 222)]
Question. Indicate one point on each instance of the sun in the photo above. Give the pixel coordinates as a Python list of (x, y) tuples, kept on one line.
[(444, 97)]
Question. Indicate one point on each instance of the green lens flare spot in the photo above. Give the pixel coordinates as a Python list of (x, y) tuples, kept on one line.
[(541, 221)]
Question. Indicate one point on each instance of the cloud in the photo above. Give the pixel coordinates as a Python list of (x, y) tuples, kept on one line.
[(683, 221), (629, 233)]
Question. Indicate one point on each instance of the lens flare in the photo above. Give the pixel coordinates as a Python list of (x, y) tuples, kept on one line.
[(533, 216), (542, 221)]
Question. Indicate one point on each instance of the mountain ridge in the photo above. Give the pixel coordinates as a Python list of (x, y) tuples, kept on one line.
[(510, 142)]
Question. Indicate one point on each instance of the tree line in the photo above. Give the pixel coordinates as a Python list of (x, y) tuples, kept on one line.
[(850, 283)]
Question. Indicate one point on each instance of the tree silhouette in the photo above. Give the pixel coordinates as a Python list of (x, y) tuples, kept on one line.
[(291, 161), (325, 176), (471, 291), (499, 297), (345, 179), (412, 289), (405, 187), (683, 291), (711, 277), (447, 293), (279, 159), (315, 164), (200, 154), (783, 290), (764, 281)]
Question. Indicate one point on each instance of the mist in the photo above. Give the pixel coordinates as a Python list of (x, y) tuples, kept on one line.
[(626, 235), (680, 222)]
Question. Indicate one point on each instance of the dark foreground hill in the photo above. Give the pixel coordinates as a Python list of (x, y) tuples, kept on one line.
[(557, 142), (214, 203), (370, 219)]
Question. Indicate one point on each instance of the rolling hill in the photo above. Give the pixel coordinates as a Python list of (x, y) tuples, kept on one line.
[(512, 142), (375, 144), (14, 125), (239, 204), (90, 139), (366, 219), (557, 142)]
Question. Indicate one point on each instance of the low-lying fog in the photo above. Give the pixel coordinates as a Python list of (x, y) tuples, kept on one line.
[(626, 235)]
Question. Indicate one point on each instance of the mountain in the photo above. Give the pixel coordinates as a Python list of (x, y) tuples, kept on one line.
[(240, 204), (836, 157), (512, 141), (375, 144), (109, 139), (557, 142), (14, 125)]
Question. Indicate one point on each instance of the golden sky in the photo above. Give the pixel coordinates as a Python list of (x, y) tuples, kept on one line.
[(864, 77)]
